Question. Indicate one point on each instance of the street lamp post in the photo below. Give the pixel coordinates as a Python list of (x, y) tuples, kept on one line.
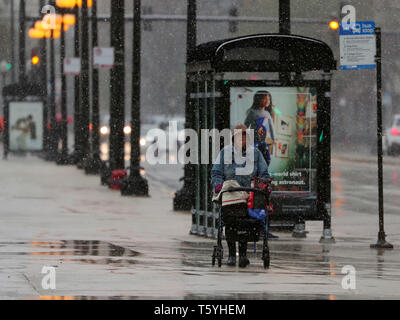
[(53, 139), (43, 73), (12, 30), (81, 101), (284, 28), (63, 157), (84, 87), (184, 198), (93, 163), (22, 67), (117, 104), (136, 184), (77, 115)]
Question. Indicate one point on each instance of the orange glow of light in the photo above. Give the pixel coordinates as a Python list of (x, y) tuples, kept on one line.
[(72, 3), (66, 3), (69, 19), (35, 60), (35, 33), (334, 25), (89, 3)]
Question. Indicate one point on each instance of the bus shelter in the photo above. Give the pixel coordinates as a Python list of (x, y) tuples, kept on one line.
[(24, 118), (296, 71)]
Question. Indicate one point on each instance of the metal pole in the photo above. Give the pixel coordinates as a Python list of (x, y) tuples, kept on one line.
[(284, 28), (184, 198), (22, 62), (381, 244), (284, 16), (13, 41), (43, 72), (93, 164), (84, 86), (63, 160), (53, 134), (77, 115), (136, 184), (117, 104)]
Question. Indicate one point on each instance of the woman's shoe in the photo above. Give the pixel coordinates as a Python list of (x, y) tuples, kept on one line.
[(243, 262), (231, 261)]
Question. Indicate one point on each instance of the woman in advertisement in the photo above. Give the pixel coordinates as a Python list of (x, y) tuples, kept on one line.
[(260, 118)]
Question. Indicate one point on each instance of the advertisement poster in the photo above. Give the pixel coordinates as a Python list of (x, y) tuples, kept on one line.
[(26, 126), (284, 121)]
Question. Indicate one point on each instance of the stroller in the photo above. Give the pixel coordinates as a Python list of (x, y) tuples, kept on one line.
[(249, 228)]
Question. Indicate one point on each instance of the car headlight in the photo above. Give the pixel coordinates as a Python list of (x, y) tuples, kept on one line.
[(104, 130), (143, 142), (127, 130)]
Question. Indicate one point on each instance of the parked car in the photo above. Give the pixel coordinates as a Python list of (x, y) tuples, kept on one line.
[(391, 139)]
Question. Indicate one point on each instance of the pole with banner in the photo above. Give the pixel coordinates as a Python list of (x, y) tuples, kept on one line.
[(381, 243), (360, 48)]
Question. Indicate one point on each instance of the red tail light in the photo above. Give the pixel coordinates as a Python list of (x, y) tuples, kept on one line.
[(395, 132)]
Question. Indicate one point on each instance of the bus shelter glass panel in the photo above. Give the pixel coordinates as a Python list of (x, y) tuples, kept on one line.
[(287, 123)]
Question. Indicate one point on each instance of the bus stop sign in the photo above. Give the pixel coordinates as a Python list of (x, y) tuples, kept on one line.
[(357, 46)]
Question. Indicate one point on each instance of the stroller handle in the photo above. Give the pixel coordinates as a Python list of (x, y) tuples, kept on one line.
[(245, 189)]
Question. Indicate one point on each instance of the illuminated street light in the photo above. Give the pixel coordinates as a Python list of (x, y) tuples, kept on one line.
[(69, 4), (36, 33), (35, 60), (334, 25)]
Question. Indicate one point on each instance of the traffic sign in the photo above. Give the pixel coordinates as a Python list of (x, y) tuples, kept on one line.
[(72, 66), (357, 45), (103, 58)]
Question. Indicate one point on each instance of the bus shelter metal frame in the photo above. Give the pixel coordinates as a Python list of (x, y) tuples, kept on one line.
[(211, 77)]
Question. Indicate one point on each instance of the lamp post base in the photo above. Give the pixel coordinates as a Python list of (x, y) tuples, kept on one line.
[(63, 160), (299, 230), (135, 185), (92, 165), (183, 200), (382, 243), (327, 237)]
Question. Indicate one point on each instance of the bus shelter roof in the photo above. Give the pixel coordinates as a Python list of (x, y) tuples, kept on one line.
[(265, 53)]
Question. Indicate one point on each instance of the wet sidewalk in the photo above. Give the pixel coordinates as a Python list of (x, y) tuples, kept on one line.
[(104, 246)]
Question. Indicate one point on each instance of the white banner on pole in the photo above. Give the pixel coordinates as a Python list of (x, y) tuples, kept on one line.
[(103, 58), (72, 66)]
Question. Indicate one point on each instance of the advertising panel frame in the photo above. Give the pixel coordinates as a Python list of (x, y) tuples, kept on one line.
[(8, 125), (306, 205)]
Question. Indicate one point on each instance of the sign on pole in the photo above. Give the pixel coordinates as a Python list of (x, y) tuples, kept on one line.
[(357, 45), (103, 58), (72, 66)]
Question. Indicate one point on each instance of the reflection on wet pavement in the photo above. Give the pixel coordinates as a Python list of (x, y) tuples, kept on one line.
[(182, 269), (105, 253)]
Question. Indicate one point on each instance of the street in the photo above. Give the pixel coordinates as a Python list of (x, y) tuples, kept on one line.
[(104, 246)]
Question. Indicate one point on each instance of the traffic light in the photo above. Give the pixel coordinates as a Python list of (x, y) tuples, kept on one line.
[(334, 24), (233, 25), (35, 59)]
